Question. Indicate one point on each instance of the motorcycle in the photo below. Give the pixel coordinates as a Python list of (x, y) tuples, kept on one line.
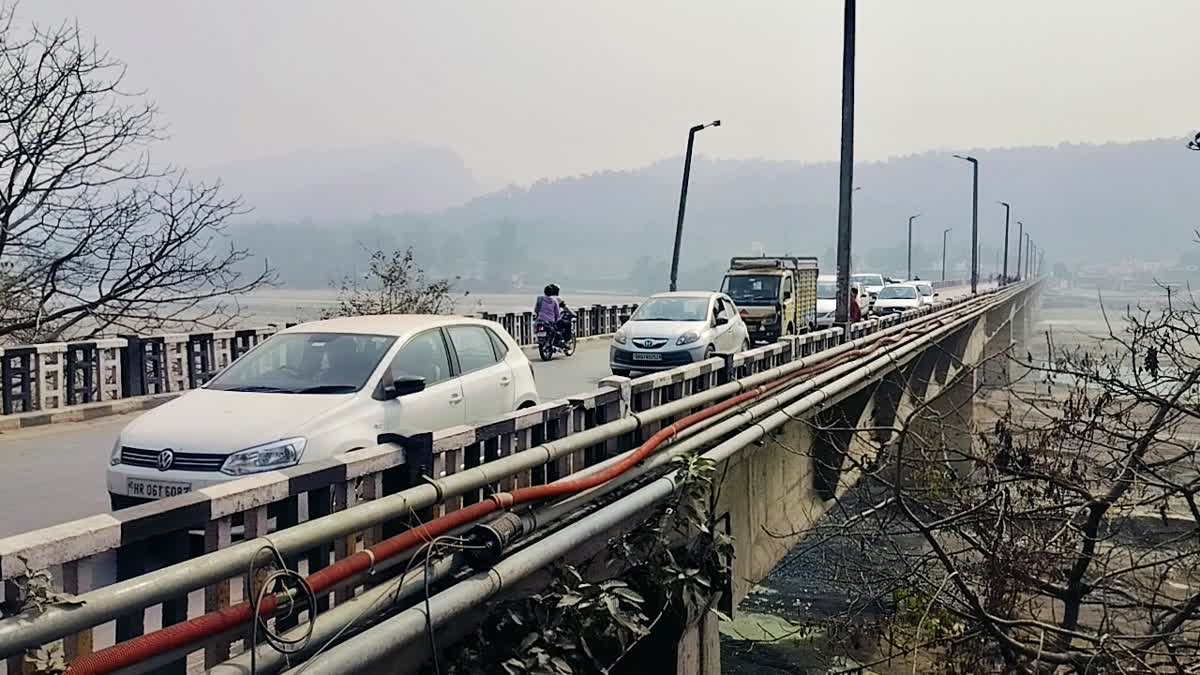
[(550, 340)]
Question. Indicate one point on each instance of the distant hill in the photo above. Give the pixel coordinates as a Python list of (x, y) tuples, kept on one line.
[(1081, 202), (350, 184)]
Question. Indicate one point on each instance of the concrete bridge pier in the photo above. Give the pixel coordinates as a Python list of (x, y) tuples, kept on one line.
[(996, 371)]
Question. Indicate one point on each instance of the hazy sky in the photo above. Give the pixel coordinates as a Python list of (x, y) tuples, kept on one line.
[(525, 90)]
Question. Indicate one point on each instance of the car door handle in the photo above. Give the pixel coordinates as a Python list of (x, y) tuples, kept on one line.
[(505, 381), (455, 398)]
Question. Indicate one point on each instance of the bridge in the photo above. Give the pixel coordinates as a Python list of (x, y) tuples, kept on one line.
[(553, 483)]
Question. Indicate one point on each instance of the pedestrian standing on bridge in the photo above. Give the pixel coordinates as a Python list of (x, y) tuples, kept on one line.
[(855, 310)]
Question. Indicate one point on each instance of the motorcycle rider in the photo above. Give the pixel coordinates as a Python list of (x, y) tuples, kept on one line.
[(563, 326), (547, 310)]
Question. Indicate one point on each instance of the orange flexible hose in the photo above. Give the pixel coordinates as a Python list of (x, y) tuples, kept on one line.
[(195, 630)]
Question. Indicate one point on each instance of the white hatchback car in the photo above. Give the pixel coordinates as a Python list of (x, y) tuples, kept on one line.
[(318, 389), (674, 329), (928, 294)]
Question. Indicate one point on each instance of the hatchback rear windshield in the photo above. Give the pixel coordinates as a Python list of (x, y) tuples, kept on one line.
[(898, 293), (826, 290), (306, 363)]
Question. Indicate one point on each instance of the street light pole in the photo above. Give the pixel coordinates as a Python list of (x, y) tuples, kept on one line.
[(1020, 248), (846, 180), (687, 172), (945, 233), (1004, 274), (974, 221), (910, 221), (1028, 243)]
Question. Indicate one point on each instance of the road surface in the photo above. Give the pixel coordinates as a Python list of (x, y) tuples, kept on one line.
[(55, 474)]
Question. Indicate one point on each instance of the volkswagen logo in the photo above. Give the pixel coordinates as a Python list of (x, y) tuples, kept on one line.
[(166, 459)]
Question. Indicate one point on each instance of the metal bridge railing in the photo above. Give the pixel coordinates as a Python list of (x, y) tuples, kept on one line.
[(87, 376), (88, 555)]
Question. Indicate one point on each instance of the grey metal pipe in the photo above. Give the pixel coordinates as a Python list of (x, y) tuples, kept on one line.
[(389, 637), (329, 625), (23, 631), (393, 635)]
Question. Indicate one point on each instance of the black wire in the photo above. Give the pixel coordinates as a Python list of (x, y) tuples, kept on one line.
[(433, 650), (281, 578)]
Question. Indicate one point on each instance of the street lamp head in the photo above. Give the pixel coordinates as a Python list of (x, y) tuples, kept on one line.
[(914, 216), (968, 158), (1005, 205), (715, 123)]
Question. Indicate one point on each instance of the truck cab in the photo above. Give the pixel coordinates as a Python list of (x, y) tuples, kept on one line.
[(776, 295)]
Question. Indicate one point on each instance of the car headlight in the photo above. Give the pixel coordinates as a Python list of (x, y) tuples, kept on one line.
[(619, 336), (114, 457), (688, 338), (266, 457)]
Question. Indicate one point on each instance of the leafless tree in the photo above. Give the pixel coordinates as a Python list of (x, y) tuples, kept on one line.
[(93, 237), (1062, 538), (393, 284)]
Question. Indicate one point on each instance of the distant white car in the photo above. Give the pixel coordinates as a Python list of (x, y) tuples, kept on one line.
[(827, 300), (897, 298), (871, 283), (674, 329), (928, 295), (319, 389)]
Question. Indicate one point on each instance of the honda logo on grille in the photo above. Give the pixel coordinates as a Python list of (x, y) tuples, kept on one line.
[(649, 343), (166, 459)]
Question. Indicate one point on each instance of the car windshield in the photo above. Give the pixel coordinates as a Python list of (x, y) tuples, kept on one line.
[(826, 290), (926, 289), (868, 279), (672, 309), (898, 293), (748, 289), (306, 363)]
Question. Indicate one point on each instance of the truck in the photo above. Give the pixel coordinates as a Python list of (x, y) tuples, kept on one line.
[(776, 295)]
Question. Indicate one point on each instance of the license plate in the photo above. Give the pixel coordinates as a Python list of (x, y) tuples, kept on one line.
[(638, 356), (153, 489)]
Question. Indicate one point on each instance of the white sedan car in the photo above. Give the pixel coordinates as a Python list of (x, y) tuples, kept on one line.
[(827, 300), (674, 329), (897, 298), (319, 389)]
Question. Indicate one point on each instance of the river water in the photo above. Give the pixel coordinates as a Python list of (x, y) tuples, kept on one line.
[(283, 305)]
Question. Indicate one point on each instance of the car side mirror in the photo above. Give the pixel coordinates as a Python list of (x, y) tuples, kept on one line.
[(787, 296), (936, 294), (720, 321), (403, 385), (624, 318)]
